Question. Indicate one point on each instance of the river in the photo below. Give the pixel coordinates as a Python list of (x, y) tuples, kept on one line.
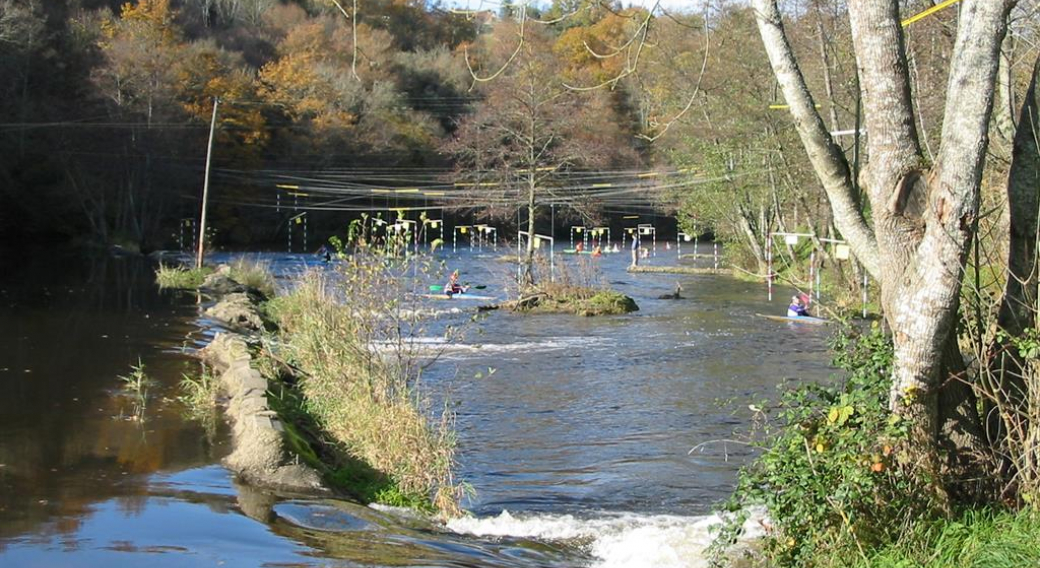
[(576, 441)]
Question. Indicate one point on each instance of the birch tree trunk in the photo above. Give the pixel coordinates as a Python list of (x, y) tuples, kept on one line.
[(924, 217)]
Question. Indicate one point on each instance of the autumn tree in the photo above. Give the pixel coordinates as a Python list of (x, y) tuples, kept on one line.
[(316, 85), (530, 130)]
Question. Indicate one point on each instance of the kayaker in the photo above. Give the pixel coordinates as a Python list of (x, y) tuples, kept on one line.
[(579, 248), (597, 252), (324, 254), (453, 286), (797, 309)]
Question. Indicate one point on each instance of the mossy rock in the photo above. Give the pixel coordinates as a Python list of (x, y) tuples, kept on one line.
[(607, 302), (600, 303)]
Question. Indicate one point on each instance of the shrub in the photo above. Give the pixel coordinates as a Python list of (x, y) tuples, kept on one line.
[(830, 477)]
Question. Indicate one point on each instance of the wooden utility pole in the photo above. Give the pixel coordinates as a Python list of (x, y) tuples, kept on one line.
[(205, 186)]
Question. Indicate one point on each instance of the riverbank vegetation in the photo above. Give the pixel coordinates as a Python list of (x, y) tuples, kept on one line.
[(569, 288), (200, 396), (251, 273), (181, 277), (351, 345), (929, 438)]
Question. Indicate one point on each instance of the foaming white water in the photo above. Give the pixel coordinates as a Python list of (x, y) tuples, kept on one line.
[(446, 349), (619, 541)]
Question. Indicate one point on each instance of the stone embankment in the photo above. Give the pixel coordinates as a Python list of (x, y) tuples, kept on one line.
[(259, 455)]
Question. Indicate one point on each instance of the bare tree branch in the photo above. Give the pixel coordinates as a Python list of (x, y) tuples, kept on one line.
[(696, 89), (353, 29), (516, 52), (826, 157)]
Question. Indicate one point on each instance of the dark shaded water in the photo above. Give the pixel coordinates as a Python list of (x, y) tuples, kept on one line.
[(577, 445)]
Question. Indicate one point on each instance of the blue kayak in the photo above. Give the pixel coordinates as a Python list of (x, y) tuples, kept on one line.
[(800, 319)]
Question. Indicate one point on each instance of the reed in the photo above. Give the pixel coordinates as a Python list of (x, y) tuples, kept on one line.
[(360, 378)]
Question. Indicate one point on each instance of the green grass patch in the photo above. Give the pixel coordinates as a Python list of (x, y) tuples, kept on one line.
[(607, 302), (975, 539), (254, 274), (181, 278), (199, 395)]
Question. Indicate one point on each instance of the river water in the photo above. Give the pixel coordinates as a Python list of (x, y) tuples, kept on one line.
[(575, 433)]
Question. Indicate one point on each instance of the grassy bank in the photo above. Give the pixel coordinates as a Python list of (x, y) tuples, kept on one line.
[(974, 539), (251, 273), (357, 386), (839, 488)]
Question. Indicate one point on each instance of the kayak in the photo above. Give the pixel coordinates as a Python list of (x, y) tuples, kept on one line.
[(800, 319), (457, 297)]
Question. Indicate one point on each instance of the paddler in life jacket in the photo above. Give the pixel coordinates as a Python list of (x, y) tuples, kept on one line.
[(798, 308), (453, 286)]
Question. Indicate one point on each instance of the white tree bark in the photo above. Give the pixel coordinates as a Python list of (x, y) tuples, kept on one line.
[(826, 157), (923, 219)]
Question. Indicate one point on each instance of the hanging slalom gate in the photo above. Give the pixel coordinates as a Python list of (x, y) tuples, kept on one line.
[(297, 222), (538, 240), (482, 233), (461, 230), (581, 230), (600, 236), (187, 225), (624, 235), (648, 229), (406, 232), (429, 224), (841, 252), (682, 237)]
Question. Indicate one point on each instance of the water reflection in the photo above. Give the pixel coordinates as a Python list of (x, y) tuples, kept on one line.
[(71, 325)]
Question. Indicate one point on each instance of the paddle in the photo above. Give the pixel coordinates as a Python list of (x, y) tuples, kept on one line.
[(435, 288)]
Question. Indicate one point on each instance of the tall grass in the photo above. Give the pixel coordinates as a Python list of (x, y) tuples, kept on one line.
[(199, 396), (255, 274), (180, 277), (361, 377), (978, 539)]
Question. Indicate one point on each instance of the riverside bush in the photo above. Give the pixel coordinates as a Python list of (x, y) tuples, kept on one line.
[(351, 340), (830, 474)]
